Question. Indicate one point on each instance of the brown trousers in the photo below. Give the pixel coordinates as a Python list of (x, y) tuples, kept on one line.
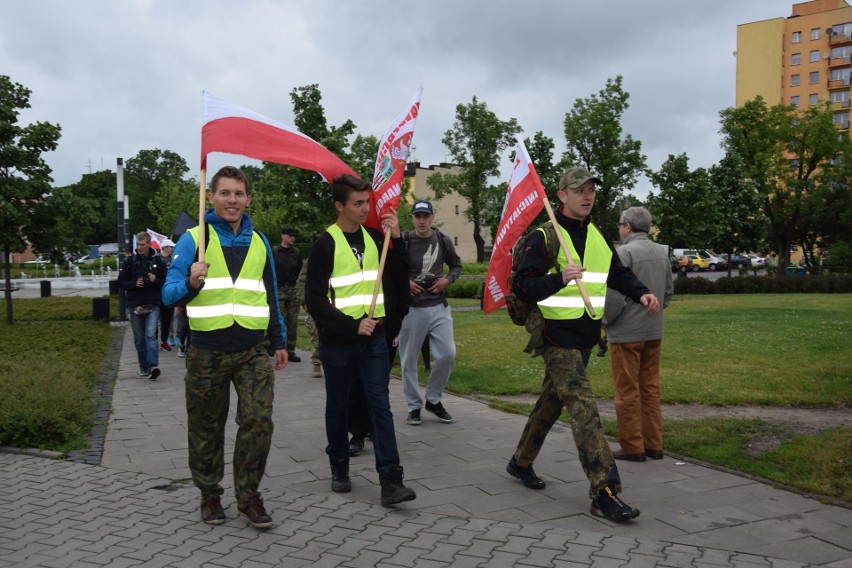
[(636, 374)]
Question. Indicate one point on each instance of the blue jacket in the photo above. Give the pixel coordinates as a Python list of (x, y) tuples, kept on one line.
[(177, 290)]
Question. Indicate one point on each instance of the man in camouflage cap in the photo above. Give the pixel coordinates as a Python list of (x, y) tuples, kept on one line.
[(570, 332)]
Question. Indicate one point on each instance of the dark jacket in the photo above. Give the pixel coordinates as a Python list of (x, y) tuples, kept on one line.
[(533, 283), (288, 264), (334, 326), (135, 267)]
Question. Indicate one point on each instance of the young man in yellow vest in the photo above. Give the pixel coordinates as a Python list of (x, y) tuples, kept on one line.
[(570, 332), (235, 326), (342, 271)]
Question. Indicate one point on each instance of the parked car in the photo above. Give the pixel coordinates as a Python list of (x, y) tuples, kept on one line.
[(757, 260), (737, 260), (693, 262)]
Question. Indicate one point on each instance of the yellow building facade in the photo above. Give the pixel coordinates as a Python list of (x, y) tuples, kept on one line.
[(804, 59)]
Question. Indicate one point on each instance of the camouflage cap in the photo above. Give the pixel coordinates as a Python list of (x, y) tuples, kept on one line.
[(575, 177)]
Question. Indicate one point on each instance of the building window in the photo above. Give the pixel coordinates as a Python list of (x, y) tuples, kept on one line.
[(813, 78), (814, 56), (797, 37), (813, 99), (814, 33), (795, 80), (796, 59), (794, 101), (841, 119), (842, 52), (841, 75), (839, 96)]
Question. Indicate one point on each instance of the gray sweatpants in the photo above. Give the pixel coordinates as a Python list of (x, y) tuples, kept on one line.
[(437, 323)]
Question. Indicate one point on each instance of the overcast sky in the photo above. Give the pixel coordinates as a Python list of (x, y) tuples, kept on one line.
[(122, 76)]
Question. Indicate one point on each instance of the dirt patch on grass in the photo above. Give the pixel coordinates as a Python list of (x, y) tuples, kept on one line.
[(787, 422)]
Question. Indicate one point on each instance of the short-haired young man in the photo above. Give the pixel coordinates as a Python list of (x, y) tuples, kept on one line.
[(341, 276), (232, 305)]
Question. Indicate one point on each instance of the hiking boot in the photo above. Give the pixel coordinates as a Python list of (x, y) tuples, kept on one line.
[(356, 445), (211, 510), (340, 482), (607, 505), (413, 418), (654, 454), (155, 372), (316, 372), (393, 491), (255, 513), (525, 474), (293, 358), (165, 346), (439, 412)]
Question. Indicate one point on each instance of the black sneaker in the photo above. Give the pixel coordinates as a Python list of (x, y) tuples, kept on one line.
[(293, 358), (439, 412), (525, 474), (609, 506), (255, 513), (155, 372), (413, 418), (356, 445)]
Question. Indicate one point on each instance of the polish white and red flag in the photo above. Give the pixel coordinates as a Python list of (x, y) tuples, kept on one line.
[(524, 201), (157, 239), (390, 162), (233, 129)]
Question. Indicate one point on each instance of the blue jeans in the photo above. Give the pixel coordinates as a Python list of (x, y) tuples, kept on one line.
[(369, 358), (145, 338)]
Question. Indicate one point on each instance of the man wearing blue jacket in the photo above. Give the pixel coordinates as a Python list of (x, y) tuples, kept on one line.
[(235, 326)]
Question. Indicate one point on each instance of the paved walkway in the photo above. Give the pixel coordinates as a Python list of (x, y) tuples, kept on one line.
[(137, 508)]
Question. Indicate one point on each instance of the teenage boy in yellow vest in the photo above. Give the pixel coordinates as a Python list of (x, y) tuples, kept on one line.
[(341, 276), (235, 326), (570, 332)]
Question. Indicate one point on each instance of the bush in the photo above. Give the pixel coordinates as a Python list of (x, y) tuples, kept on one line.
[(768, 284), (464, 288)]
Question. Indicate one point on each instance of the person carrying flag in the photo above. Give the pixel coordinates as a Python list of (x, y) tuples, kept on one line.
[(569, 334), (341, 277), (235, 326)]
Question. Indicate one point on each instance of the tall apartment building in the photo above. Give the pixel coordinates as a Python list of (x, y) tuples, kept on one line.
[(804, 59)]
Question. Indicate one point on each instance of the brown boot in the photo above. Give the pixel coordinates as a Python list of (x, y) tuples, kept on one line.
[(211, 510), (317, 372)]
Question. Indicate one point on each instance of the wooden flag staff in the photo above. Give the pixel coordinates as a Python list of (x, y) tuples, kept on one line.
[(567, 252), (202, 202), (378, 283)]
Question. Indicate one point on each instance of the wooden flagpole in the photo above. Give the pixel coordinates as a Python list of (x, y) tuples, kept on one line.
[(567, 252), (202, 200), (385, 246)]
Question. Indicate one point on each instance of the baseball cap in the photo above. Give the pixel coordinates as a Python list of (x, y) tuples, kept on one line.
[(575, 177), (168, 243), (289, 231), (421, 206)]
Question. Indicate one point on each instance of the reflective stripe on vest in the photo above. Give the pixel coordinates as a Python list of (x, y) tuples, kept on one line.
[(350, 285), (224, 301), (568, 304)]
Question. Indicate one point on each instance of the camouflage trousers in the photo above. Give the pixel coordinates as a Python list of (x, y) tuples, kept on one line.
[(566, 385), (288, 301), (209, 375), (313, 333)]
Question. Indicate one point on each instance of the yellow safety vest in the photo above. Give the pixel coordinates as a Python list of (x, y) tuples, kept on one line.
[(223, 301), (351, 285), (567, 303)]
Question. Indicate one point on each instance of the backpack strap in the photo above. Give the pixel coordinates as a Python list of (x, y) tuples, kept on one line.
[(551, 245)]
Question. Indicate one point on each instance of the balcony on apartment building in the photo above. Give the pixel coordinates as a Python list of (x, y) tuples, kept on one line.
[(840, 105), (842, 61), (839, 39), (842, 83)]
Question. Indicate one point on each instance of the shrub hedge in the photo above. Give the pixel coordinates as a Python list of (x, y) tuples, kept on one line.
[(769, 284)]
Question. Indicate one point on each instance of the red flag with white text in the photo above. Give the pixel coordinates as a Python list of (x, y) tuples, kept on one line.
[(390, 162), (524, 201), (233, 129)]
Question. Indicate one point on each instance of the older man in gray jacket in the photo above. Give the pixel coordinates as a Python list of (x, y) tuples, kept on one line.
[(635, 336)]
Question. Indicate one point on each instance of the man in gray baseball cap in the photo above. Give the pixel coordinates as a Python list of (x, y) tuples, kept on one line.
[(576, 177)]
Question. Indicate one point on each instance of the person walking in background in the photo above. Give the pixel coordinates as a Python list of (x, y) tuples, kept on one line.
[(310, 324), (635, 337), (143, 275), (232, 304), (429, 315), (570, 332), (166, 312), (342, 273), (288, 264)]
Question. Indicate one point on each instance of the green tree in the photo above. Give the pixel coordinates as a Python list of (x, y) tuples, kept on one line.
[(783, 150), (476, 142), (101, 189), (739, 222), (683, 207), (172, 198), (597, 142), (24, 178), (146, 175)]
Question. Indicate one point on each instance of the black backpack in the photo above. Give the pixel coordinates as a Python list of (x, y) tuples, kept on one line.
[(521, 311)]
